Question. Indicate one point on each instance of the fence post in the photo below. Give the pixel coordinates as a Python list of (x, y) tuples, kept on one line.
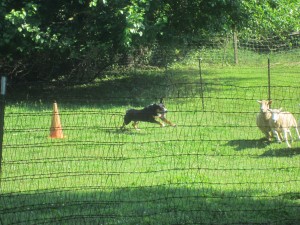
[(201, 83), (269, 79), (235, 46), (2, 106)]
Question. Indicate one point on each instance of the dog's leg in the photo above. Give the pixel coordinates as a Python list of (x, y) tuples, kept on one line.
[(156, 121), (168, 122), (123, 126), (134, 124), (160, 123)]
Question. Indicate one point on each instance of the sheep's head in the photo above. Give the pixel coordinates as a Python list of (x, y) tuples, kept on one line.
[(275, 114), (264, 105)]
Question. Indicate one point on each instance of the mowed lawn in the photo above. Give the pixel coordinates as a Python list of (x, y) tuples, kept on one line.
[(212, 168)]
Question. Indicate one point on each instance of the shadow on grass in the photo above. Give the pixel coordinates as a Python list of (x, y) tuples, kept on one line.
[(283, 152), (147, 205), (136, 90), (127, 131), (243, 144)]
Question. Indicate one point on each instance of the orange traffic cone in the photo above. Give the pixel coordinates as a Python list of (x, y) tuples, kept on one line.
[(56, 129)]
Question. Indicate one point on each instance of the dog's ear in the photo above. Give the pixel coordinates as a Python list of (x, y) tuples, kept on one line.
[(161, 100)]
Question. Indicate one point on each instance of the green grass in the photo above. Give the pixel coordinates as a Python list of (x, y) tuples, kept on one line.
[(213, 168)]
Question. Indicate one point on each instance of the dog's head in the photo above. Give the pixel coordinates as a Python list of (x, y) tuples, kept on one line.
[(159, 108)]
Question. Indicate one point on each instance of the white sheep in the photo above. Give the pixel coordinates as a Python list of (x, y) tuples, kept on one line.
[(263, 117), (281, 122)]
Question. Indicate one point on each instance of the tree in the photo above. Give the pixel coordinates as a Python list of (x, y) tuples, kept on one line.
[(69, 41), (272, 17), (75, 41)]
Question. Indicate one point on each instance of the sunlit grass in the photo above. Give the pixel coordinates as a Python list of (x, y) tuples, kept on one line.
[(213, 168)]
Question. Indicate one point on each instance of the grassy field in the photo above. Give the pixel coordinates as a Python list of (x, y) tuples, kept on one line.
[(213, 168)]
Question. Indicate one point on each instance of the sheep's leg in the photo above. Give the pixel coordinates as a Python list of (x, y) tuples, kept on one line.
[(285, 131), (297, 131), (280, 136), (268, 135), (277, 136), (290, 134)]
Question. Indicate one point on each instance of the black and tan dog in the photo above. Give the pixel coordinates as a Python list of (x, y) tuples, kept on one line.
[(147, 114)]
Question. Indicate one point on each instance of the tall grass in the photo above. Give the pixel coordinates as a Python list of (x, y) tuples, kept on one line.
[(213, 168)]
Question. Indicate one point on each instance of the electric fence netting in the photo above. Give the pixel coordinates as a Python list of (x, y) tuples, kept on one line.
[(214, 167)]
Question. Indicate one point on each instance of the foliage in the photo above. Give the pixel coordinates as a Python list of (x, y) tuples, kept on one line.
[(75, 41), (272, 17)]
